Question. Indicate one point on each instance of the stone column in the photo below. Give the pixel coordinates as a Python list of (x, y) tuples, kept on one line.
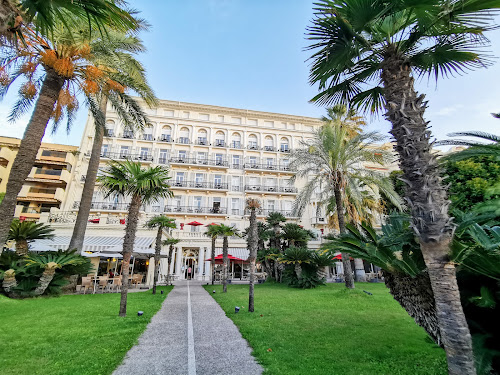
[(172, 262), (151, 272), (201, 261)]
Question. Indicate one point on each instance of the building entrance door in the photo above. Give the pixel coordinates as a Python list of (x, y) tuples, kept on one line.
[(190, 264)]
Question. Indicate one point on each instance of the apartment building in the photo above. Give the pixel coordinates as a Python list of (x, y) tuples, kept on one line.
[(46, 186)]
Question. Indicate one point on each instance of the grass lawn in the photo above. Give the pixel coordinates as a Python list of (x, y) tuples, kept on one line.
[(331, 330), (77, 334)]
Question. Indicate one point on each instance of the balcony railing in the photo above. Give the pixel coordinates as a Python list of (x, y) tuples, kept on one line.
[(184, 140), (49, 172), (196, 210), (269, 148), (201, 185), (269, 167), (253, 147), (128, 135), (147, 137), (109, 206), (212, 162), (202, 141), (126, 155), (220, 143), (265, 212), (235, 144), (31, 210), (166, 138), (275, 189)]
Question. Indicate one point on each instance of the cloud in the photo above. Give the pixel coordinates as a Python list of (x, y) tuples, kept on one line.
[(447, 111)]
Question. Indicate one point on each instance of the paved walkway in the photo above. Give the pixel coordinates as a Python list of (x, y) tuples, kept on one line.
[(190, 335)]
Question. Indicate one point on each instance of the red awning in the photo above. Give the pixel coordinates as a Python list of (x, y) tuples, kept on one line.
[(211, 224), (229, 256), (339, 257), (194, 223)]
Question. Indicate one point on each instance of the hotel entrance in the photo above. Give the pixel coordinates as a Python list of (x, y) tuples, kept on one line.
[(190, 264)]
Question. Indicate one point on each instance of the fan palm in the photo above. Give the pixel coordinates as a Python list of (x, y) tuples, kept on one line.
[(143, 186), (46, 14), (170, 242), (213, 232), (274, 220), (336, 164), (296, 256), (55, 69), (128, 72), (253, 238), (160, 222), (50, 262), (475, 147), (225, 233), (366, 53), (23, 232)]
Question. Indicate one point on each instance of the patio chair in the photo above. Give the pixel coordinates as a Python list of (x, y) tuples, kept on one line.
[(103, 283), (137, 279), (117, 283), (86, 284)]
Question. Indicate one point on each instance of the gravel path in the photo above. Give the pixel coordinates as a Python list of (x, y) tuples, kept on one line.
[(190, 335)]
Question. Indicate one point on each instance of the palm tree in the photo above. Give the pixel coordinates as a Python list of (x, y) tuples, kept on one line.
[(336, 161), (170, 242), (274, 219), (226, 232), (161, 222), (213, 232), (44, 15), (128, 72), (64, 64), (345, 116), (295, 235), (50, 262), (475, 147), (253, 205), (143, 186), (367, 54), (296, 256), (24, 232)]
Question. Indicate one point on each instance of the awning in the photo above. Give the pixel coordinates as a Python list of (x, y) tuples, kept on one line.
[(238, 252), (143, 245)]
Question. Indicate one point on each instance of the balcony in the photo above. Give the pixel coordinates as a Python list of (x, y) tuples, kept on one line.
[(235, 144), (271, 189), (319, 221), (253, 147), (49, 155), (195, 210), (184, 140), (284, 148), (128, 135), (269, 148), (200, 185), (220, 143), (268, 167), (104, 206), (202, 141), (109, 133), (202, 162), (147, 137), (265, 212), (146, 157), (166, 138)]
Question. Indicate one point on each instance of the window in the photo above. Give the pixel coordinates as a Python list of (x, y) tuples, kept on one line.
[(284, 145), (220, 139), (148, 133), (166, 134), (291, 126), (199, 180), (285, 163), (219, 159), (202, 137), (178, 202), (270, 163), (124, 152), (235, 203), (168, 113), (182, 156), (270, 205), (235, 182), (145, 153), (184, 136), (252, 142), (163, 156), (236, 120), (220, 118), (185, 114), (197, 203), (179, 179), (236, 161), (236, 140), (110, 126), (104, 151), (218, 181), (252, 122), (204, 116), (268, 143), (202, 158), (270, 184), (216, 203), (253, 183), (253, 161)]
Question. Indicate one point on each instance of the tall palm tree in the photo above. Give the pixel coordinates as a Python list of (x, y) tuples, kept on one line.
[(23, 232), (336, 163), (128, 72), (253, 239), (367, 54), (170, 242), (161, 222), (225, 233), (474, 147), (55, 69), (345, 116), (274, 219), (213, 232), (44, 15), (143, 186)]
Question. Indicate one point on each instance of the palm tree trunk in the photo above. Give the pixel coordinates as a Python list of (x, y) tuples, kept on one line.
[(8, 13), (346, 262), (212, 260), (45, 280), (359, 270), (252, 245), (298, 270), (225, 260), (89, 184), (170, 252), (128, 248), (22, 247), (28, 149), (415, 295), (428, 201), (157, 257)]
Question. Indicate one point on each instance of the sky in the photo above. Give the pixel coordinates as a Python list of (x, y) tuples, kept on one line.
[(250, 54)]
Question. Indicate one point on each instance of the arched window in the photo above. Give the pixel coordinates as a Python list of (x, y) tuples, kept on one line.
[(236, 140), (166, 134), (184, 135), (148, 133), (284, 145), (110, 128), (202, 137), (220, 139), (252, 142), (268, 143)]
